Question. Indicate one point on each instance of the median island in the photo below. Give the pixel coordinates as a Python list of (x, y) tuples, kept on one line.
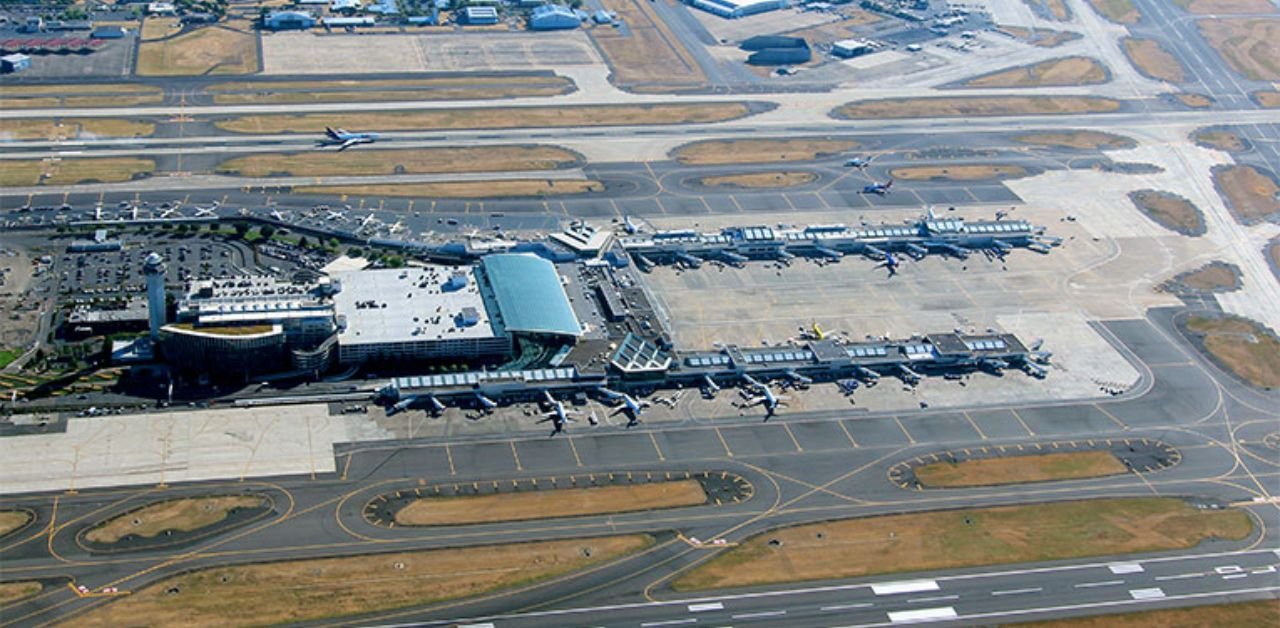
[(568, 502), (1074, 465), (969, 537), (314, 589)]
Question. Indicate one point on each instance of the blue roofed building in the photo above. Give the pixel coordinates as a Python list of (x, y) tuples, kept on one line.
[(288, 20), (549, 17), (529, 295)]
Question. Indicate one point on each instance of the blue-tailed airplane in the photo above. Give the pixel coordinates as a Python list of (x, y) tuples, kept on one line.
[(890, 263), (628, 404), (558, 415), (770, 401), (876, 187), (346, 139)]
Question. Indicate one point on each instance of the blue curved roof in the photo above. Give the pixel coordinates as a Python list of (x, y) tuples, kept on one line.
[(529, 294)]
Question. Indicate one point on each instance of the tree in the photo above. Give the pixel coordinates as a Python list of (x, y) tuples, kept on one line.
[(303, 243), (242, 230), (267, 231)]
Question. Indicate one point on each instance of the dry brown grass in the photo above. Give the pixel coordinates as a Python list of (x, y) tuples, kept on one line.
[(1273, 255), (48, 129), (1066, 71), (1241, 346), (365, 84), (837, 30), (1219, 139), (1214, 277), (209, 50), (459, 93), (1235, 615), (759, 151), (1250, 45), (965, 538), (25, 172), (1041, 37), (649, 54), (974, 172), (154, 28), (1083, 140), (1195, 101), (11, 520), (181, 515), (401, 161), (88, 88), (1270, 100), (11, 592), (1250, 193), (490, 118), (440, 88), (514, 188), (1118, 11), (1226, 7), (297, 591), (92, 95), (568, 502), (1071, 465), (975, 106), (1153, 60), (781, 179), (1169, 211)]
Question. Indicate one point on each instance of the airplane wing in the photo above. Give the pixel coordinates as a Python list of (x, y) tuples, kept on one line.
[(348, 144)]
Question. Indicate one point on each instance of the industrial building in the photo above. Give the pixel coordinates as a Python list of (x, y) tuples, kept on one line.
[(776, 50), (549, 17), (738, 8), (288, 20), (15, 62), (479, 16)]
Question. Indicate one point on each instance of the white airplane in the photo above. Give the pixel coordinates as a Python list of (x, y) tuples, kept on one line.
[(165, 213), (336, 214), (486, 404), (205, 212), (558, 415), (628, 404), (397, 227), (364, 222), (770, 401), (345, 139), (275, 213)]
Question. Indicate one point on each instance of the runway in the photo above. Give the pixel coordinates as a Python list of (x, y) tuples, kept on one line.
[(801, 467)]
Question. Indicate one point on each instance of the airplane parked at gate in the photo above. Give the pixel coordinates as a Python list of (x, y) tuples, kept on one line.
[(558, 415), (628, 404)]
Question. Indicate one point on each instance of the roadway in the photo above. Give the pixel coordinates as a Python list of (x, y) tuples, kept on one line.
[(802, 468)]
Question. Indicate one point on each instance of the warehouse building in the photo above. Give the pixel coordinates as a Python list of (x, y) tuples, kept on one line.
[(288, 20), (550, 17), (480, 16), (738, 8)]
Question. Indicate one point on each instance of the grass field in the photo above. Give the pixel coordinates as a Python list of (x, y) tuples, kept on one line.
[(1040, 37), (402, 161), (11, 520), (1196, 101), (567, 502), (490, 118), (209, 50), (1250, 193), (647, 52), (1084, 140), (759, 151), (1169, 211), (1118, 11), (1153, 61), (1071, 465), (975, 106), (968, 537), (13, 591), (26, 172), (90, 95), (9, 355), (297, 591), (1241, 346), (511, 188), (154, 28), (1235, 615), (780, 179), (1250, 45), (973, 172), (49, 129), (1270, 100), (1212, 277), (1226, 7), (439, 88), (1219, 139), (181, 515), (407, 95), (1066, 71)]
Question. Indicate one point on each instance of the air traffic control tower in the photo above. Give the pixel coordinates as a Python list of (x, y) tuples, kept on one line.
[(153, 268)]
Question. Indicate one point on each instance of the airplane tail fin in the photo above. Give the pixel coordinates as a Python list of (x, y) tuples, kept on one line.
[(889, 184), (331, 133)]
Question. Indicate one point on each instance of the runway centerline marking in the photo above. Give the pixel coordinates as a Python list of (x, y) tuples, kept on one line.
[(760, 614), (845, 607), (1104, 583), (1018, 591), (671, 622), (448, 452)]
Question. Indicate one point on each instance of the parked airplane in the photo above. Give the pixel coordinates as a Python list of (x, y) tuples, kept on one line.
[(856, 162), (397, 227), (890, 263), (275, 213), (364, 222), (165, 213), (558, 415), (876, 187), (709, 386), (336, 214), (486, 404), (346, 139), (433, 405), (630, 226), (628, 404), (205, 212), (770, 401)]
